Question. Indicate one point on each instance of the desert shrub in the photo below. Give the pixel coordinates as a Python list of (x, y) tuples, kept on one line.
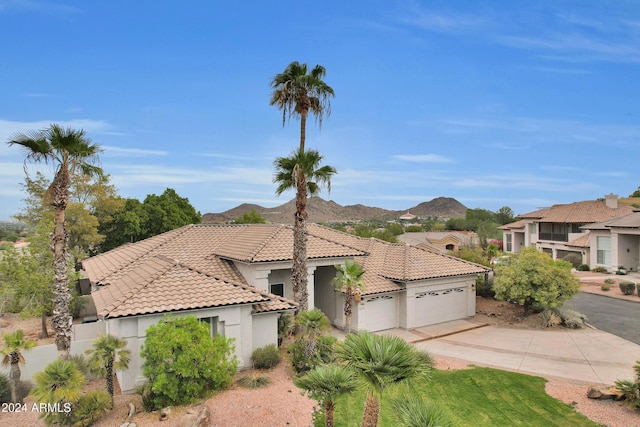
[(631, 389), (90, 407), (414, 410), (5, 390), (285, 327), (574, 258), (147, 397), (265, 357), (621, 272), (550, 318), (583, 267), (183, 363), (638, 289), (627, 287), (82, 364), (599, 270), (609, 281), (484, 288), (254, 381), (413, 229), (572, 319), (324, 353), (605, 287)]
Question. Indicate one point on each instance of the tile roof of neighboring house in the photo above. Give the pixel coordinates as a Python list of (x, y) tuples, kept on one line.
[(193, 267), (630, 221), (578, 213), (580, 242), (513, 225)]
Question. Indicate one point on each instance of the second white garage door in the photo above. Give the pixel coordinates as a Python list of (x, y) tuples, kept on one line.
[(440, 306)]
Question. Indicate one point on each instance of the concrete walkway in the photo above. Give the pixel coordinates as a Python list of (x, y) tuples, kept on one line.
[(587, 355)]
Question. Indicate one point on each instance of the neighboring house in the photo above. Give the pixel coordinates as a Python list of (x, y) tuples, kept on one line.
[(560, 229), (237, 278), (407, 217), (442, 241), (616, 243)]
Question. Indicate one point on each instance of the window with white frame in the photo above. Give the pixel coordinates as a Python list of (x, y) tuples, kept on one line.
[(509, 237), (604, 250)]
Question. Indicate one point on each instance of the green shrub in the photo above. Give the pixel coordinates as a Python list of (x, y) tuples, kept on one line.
[(5, 389), (550, 318), (285, 327), (631, 389), (609, 281), (627, 287), (599, 270), (183, 363), (90, 407), (574, 258), (83, 365), (413, 229), (324, 353), (484, 288), (265, 357), (254, 381), (621, 272), (583, 267), (605, 287), (572, 319), (638, 289)]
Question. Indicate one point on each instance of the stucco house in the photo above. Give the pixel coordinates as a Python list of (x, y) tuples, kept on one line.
[(563, 228), (442, 241), (616, 243), (237, 278)]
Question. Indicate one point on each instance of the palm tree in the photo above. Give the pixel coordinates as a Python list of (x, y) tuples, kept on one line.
[(312, 323), (69, 151), (107, 356), (326, 384), (381, 361), (349, 280), (303, 172), (297, 92), (61, 383), (15, 344), (411, 410)]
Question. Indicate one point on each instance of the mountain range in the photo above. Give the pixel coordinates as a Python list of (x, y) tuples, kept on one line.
[(320, 210)]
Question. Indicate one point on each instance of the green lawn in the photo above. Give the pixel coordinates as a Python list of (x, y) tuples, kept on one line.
[(477, 397)]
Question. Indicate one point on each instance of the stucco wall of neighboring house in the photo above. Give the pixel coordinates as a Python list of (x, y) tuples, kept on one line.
[(282, 276), (326, 297), (593, 243), (233, 322), (265, 330)]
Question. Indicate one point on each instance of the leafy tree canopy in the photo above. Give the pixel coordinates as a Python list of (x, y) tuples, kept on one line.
[(536, 281), (252, 217)]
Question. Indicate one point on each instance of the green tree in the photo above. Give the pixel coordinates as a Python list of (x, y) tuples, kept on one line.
[(635, 193), (183, 363), (504, 215), (349, 280), (474, 217), (15, 344), (303, 172), (535, 280), (457, 224), (60, 383), (381, 361), (167, 212), (491, 252), (252, 217), (70, 151), (298, 92), (108, 355), (326, 384), (127, 225)]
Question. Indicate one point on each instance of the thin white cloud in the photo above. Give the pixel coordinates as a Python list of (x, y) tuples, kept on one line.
[(113, 151), (423, 158), (613, 174), (522, 182)]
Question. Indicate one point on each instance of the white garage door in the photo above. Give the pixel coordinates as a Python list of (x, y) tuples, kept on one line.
[(379, 313), (440, 306)]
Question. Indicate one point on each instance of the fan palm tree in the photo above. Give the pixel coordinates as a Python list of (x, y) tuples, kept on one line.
[(381, 361), (60, 383), (15, 344), (69, 151), (298, 92), (349, 280), (303, 172), (411, 410), (107, 356), (312, 323), (326, 384)]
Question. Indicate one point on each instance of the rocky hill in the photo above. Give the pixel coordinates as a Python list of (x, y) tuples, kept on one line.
[(321, 210)]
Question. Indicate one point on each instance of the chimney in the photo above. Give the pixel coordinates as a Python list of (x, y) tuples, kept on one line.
[(611, 200)]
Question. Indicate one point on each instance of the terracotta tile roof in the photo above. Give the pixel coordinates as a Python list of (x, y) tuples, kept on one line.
[(579, 212), (580, 242), (630, 221), (513, 225)]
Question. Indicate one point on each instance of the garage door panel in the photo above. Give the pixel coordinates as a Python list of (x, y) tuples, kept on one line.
[(380, 313), (439, 306)]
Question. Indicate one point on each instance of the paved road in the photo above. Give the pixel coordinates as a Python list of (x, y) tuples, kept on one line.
[(616, 316)]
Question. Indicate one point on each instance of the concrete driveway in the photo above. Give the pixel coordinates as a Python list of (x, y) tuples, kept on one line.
[(585, 355)]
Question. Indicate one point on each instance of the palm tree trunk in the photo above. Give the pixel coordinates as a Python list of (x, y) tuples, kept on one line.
[(299, 269), (44, 333), (110, 378), (303, 129), (61, 320), (347, 310), (14, 377), (329, 409), (371, 411)]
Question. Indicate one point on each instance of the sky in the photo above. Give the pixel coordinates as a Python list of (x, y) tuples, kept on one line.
[(521, 104)]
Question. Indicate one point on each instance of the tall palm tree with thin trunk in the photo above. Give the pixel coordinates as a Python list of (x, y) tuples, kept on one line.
[(108, 355), (15, 345), (303, 172), (381, 361), (298, 92), (326, 384), (70, 152), (349, 280)]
